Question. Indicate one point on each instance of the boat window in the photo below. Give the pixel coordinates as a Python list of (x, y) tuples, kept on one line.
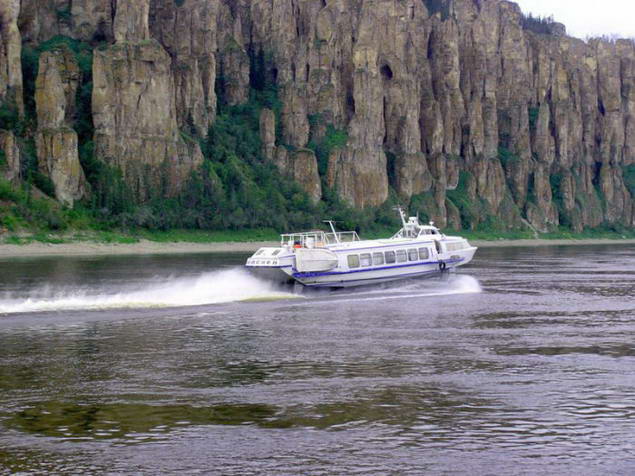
[(275, 252), (353, 261), (365, 259), (390, 257), (259, 252), (413, 255), (378, 259), (424, 253), (401, 256)]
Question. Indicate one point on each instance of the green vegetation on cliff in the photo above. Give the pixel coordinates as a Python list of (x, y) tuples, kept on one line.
[(234, 189)]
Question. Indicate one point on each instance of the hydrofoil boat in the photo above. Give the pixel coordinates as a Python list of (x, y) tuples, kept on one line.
[(340, 259)]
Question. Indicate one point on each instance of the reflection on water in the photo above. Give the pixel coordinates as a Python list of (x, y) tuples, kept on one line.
[(128, 422), (523, 363)]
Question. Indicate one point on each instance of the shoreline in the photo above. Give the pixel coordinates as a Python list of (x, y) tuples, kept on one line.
[(150, 247)]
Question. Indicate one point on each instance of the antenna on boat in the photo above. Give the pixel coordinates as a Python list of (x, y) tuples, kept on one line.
[(332, 225), (399, 208)]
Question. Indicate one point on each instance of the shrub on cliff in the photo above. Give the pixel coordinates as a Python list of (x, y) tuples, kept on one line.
[(538, 24)]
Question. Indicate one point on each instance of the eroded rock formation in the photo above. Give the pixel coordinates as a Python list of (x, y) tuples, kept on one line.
[(10, 51), (134, 108), (450, 102), (300, 165), (56, 142), (134, 113), (10, 163)]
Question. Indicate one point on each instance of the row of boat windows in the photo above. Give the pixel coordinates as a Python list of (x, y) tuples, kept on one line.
[(387, 257)]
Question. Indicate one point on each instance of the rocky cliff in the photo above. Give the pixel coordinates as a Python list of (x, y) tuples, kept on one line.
[(56, 141), (463, 107)]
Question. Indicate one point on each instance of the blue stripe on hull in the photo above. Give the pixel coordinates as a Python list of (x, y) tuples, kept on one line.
[(351, 282)]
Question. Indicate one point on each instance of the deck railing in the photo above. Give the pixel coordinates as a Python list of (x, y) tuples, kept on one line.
[(317, 239)]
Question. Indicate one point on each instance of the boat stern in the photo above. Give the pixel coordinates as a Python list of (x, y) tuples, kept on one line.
[(272, 264)]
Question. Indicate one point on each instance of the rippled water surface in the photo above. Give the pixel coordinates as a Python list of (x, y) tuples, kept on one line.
[(522, 363)]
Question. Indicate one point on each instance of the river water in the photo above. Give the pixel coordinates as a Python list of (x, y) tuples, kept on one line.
[(521, 363)]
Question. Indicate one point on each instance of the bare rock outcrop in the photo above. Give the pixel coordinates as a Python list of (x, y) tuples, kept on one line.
[(87, 20), (132, 20), (10, 163), (10, 51), (305, 171), (268, 133), (56, 142), (300, 165), (188, 31), (92, 19), (134, 113), (39, 20)]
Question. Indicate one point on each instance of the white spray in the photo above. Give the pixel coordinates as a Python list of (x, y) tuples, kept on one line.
[(209, 288)]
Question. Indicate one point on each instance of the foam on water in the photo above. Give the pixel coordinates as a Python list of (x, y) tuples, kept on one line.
[(208, 288), (461, 284)]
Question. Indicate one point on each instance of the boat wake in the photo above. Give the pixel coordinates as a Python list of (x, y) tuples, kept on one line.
[(209, 288), (417, 288)]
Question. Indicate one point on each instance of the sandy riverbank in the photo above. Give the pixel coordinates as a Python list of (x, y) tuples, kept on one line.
[(150, 247), (143, 247)]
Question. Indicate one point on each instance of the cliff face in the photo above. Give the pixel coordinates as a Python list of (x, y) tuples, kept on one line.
[(10, 50), (134, 108), (56, 142), (455, 102)]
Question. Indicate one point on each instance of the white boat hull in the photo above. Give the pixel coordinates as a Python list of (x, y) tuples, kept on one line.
[(360, 277)]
